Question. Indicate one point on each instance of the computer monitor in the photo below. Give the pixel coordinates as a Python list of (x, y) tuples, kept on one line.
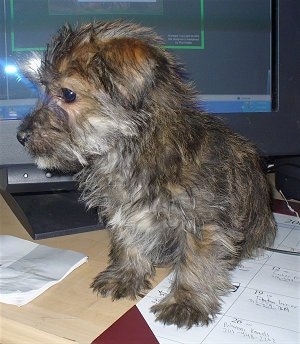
[(241, 54)]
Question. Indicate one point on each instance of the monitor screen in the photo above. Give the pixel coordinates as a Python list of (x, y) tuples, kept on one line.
[(239, 53), (225, 46)]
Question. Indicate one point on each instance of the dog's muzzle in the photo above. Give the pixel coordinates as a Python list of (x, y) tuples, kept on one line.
[(23, 136)]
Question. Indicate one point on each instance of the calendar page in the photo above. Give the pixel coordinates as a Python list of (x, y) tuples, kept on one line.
[(263, 306)]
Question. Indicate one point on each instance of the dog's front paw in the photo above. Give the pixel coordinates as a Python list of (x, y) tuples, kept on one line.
[(182, 313), (119, 285)]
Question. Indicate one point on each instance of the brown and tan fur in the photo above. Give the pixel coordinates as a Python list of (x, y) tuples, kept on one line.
[(176, 186)]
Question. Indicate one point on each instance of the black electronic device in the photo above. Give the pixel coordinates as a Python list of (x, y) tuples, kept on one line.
[(46, 204)]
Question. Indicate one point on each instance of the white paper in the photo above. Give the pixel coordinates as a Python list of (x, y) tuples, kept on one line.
[(263, 308), (27, 269)]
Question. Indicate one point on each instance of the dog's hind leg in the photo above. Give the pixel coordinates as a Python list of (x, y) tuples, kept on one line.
[(201, 278)]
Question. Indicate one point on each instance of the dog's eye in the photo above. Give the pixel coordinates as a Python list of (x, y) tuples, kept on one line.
[(69, 96)]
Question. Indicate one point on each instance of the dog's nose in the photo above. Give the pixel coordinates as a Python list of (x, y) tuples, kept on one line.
[(23, 136)]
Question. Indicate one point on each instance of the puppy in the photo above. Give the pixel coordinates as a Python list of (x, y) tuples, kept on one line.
[(177, 187)]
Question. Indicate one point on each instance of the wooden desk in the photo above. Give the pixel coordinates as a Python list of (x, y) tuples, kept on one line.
[(69, 312)]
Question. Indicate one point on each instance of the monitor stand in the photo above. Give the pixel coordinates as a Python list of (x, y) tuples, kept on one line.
[(51, 214)]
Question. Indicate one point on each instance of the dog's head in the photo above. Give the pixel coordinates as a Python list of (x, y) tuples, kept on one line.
[(100, 82)]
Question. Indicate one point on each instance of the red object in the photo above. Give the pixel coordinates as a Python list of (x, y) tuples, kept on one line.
[(131, 328), (279, 206)]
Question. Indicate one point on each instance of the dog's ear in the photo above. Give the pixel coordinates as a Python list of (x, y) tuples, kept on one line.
[(30, 67), (126, 69)]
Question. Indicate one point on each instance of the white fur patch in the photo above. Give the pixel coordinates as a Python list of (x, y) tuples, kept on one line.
[(142, 219), (43, 163)]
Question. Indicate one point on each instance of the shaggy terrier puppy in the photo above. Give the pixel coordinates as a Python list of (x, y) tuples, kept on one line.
[(176, 186)]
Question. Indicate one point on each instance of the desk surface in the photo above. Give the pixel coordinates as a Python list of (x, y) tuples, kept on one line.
[(69, 312)]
